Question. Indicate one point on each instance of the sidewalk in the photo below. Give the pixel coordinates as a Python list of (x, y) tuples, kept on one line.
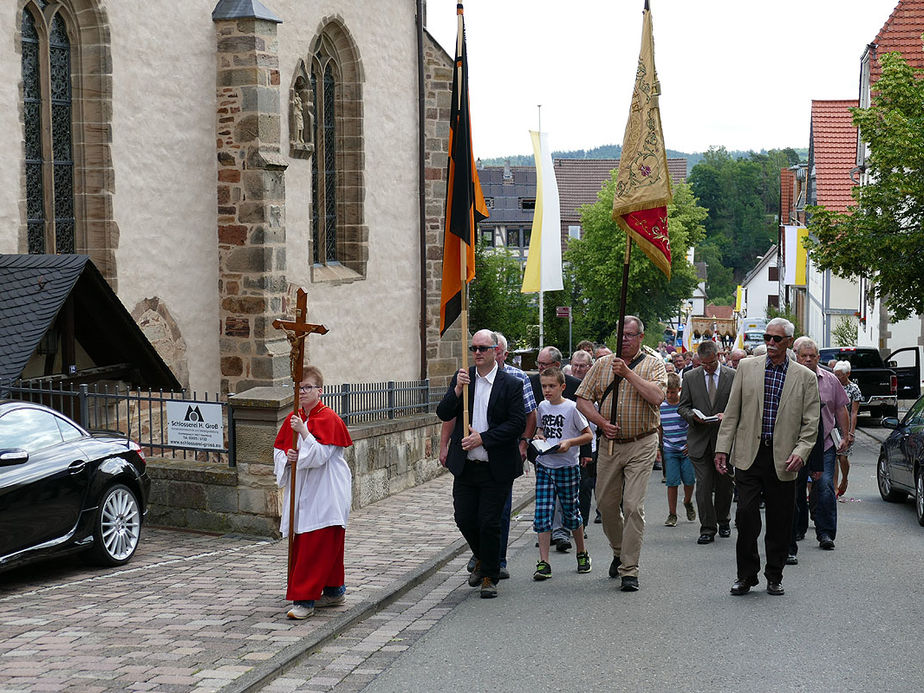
[(195, 612)]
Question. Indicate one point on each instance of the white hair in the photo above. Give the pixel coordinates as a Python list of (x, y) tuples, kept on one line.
[(759, 350), (788, 328), (806, 343), (842, 367)]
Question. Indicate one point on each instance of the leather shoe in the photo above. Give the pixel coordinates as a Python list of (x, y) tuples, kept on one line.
[(743, 585), (629, 583), (705, 539), (488, 589), (724, 531), (776, 589), (474, 578), (792, 559), (826, 542), (614, 567)]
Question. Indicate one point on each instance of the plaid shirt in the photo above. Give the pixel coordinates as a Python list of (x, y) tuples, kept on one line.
[(634, 414), (774, 377), (529, 400)]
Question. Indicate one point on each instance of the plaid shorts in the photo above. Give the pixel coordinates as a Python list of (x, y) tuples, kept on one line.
[(563, 482)]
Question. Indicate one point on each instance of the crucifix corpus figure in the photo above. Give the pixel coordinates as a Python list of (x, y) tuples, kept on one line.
[(309, 464)]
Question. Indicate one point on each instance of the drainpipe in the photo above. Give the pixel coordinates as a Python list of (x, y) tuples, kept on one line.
[(422, 191)]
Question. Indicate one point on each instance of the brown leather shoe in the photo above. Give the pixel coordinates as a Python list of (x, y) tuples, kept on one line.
[(488, 588)]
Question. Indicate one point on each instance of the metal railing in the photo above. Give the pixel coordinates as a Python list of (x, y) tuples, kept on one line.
[(138, 414), (370, 402)]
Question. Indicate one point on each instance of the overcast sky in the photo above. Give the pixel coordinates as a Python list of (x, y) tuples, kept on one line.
[(738, 73)]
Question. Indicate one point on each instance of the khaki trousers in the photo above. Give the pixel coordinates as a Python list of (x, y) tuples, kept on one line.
[(622, 483)]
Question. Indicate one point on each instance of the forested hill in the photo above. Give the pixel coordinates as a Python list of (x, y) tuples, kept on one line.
[(613, 151)]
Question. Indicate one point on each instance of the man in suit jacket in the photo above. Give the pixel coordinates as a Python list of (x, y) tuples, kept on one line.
[(550, 357), (770, 424), (486, 459), (706, 388)]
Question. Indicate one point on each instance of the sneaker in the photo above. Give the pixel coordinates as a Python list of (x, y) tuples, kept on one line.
[(583, 561), (470, 566), (543, 571), (614, 567), (629, 583), (504, 574), (563, 545), (691, 511), (598, 519), (671, 521), (488, 588), (299, 612), (328, 600), (475, 578)]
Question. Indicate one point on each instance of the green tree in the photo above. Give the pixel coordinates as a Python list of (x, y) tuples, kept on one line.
[(597, 261), (495, 301), (880, 236)]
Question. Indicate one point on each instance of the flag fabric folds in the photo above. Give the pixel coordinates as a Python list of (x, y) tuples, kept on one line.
[(643, 184), (543, 264), (465, 205)]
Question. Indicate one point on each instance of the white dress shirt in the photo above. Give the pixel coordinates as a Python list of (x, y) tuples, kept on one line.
[(483, 385)]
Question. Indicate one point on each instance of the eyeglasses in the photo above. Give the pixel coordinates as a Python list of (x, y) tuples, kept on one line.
[(545, 364), (473, 348), (308, 388), (630, 335), (775, 337)]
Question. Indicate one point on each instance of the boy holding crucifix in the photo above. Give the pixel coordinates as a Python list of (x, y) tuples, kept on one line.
[(323, 495)]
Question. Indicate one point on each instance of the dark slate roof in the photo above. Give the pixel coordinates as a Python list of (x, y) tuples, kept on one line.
[(507, 192), (34, 288), (243, 9)]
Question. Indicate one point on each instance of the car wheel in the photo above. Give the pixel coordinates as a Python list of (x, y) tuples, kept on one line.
[(117, 527), (884, 479), (919, 496)]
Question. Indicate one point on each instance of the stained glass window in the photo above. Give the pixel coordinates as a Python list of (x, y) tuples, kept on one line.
[(324, 163), (47, 109)]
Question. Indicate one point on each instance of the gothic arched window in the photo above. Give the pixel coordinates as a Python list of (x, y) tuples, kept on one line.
[(46, 76)]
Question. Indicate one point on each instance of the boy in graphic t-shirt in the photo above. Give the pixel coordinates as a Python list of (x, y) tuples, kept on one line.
[(558, 473)]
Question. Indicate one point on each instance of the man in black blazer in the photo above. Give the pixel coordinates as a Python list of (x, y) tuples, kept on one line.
[(486, 459), (713, 490), (550, 357)]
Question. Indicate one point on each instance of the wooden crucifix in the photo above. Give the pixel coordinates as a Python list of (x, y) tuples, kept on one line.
[(296, 332)]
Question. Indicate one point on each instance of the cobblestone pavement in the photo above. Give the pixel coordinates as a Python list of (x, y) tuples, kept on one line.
[(350, 662), (196, 612)]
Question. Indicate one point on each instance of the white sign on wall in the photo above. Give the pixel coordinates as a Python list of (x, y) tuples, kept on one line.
[(195, 425)]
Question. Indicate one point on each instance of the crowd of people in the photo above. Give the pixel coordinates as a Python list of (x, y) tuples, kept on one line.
[(762, 427)]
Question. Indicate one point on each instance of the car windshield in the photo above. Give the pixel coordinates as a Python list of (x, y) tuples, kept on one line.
[(857, 359)]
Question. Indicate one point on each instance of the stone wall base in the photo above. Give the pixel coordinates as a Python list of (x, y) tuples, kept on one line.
[(385, 458)]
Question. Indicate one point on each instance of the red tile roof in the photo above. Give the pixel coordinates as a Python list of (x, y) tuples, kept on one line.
[(580, 180), (834, 142), (902, 34), (723, 312)]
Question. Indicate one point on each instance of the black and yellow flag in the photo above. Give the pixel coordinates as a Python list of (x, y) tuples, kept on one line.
[(465, 205)]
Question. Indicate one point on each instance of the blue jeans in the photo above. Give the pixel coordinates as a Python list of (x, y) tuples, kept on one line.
[(825, 498)]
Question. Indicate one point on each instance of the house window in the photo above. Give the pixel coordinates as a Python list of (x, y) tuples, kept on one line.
[(487, 237), (527, 203), (513, 238), (574, 232), (773, 274), (773, 300), (489, 202), (49, 162), (339, 238)]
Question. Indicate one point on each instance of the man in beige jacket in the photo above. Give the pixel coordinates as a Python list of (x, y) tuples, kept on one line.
[(769, 428)]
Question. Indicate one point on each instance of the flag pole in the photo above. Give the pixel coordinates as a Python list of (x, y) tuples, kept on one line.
[(541, 301), (463, 255), (622, 317)]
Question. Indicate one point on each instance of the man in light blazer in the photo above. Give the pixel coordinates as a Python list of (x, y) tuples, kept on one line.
[(713, 490), (770, 424)]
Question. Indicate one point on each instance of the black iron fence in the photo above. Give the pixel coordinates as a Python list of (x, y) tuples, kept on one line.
[(139, 414), (142, 414)]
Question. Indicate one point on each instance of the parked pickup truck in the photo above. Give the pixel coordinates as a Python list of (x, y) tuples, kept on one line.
[(878, 384)]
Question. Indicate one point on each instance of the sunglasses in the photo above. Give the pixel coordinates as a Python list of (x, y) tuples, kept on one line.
[(481, 348), (775, 337)]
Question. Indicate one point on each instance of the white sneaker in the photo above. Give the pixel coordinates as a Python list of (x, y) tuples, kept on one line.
[(327, 600), (300, 612)]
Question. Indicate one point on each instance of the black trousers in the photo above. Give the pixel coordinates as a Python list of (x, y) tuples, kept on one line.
[(586, 489), (478, 501), (779, 497)]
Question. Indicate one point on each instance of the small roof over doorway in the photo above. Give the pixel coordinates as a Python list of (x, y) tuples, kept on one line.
[(59, 317)]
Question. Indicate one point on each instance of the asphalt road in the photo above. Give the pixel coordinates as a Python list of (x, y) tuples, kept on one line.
[(850, 619)]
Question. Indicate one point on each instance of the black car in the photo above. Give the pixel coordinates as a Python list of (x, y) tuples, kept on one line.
[(64, 490), (900, 472)]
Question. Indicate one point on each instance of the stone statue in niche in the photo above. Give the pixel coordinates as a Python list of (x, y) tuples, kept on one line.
[(301, 122)]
